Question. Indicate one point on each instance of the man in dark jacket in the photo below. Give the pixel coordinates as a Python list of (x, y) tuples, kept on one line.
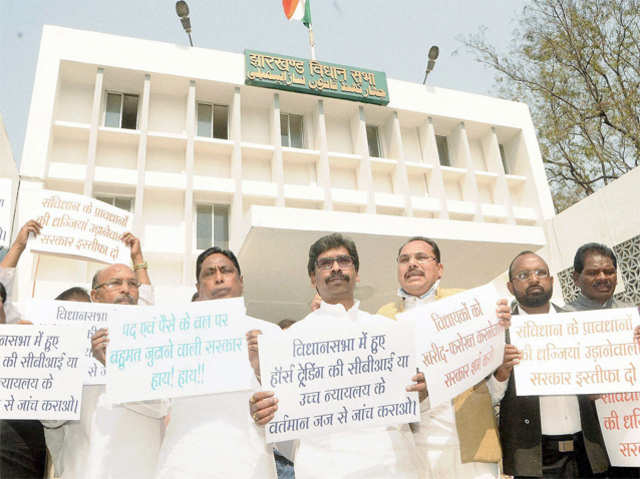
[(544, 436)]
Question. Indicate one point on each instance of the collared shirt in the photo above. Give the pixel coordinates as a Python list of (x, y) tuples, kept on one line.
[(375, 452), (412, 301), (214, 437), (582, 303), (558, 414)]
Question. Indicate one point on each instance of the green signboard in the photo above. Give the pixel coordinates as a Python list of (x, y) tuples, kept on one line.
[(314, 77)]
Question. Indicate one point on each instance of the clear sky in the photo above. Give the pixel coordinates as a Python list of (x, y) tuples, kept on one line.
[(388, 35)]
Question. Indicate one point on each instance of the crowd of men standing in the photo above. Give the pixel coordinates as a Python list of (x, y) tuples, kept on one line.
[(222, 435)]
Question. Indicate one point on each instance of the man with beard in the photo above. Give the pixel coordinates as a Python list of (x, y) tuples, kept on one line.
[(376, 452), (543, 436), (121, 441)]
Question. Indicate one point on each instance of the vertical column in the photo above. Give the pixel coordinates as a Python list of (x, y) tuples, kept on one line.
[(235, 222), (143, 126), (187, 270), (463, 158), (361, 148), (93, 134), (277, 166), (324, 171), (491, 151), (400, 174), (430, 156)]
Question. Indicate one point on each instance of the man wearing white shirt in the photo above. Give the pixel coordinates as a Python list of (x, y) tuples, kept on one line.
[(117, 441), (213, 436), (546, 436), (372, 452), (456, 439)]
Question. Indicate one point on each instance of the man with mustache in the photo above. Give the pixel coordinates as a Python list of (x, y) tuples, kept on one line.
[(377, 452), (122, 441), (595, 272), (457, 438), (543, 436), (212, 436)]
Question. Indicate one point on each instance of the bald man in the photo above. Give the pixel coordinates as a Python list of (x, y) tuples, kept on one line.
[(118, 441)]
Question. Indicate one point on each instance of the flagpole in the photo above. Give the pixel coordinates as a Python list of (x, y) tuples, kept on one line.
[(312, 43)]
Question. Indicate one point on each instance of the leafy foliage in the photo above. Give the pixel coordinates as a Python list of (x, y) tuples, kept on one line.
[(577, 64)]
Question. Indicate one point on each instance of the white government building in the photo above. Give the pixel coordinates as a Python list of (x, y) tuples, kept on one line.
[(175, 135)]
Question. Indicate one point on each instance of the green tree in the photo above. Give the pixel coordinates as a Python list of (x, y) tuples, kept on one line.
[(577, 64)]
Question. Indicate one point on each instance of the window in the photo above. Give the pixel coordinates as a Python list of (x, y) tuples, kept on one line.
[(124, 202), (373, 139), (121, 111), (213, 121), (212, 226), (443, 150), (291, 130), (503, 157)]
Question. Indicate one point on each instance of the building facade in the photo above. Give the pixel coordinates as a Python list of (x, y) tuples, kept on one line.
[(174, 135)]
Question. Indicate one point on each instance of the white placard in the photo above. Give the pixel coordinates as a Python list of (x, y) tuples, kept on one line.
[(619, 416), (90, 316), (459, 341), (6, 201), (333, 375), (41, 371), (80, 227), (587, 352), (158, 352)]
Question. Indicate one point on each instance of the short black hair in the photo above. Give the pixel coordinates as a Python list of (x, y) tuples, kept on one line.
[(429, 241), (216, 250), (3, 293), (285, 323), (75, 292), (523, 253), (194, 297), (334, 240), (581, 254)]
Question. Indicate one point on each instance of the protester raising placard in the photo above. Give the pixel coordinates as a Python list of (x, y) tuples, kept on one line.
[(78, 226)]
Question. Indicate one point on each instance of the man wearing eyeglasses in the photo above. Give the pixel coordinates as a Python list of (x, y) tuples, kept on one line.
[(372, 452), (121, 441), (543, 436), (457, 438)]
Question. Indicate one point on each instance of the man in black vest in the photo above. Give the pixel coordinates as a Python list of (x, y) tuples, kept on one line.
[(544, 436), (595, 272)]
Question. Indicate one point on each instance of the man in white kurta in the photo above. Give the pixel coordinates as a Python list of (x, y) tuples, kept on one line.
[(377, 452), (213, 436), (436, 435), (123, 440)]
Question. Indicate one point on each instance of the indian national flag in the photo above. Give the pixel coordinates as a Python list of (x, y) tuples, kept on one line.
[(298, 10)]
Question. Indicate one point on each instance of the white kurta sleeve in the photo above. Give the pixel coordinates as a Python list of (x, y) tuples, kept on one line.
[(496, 389)]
